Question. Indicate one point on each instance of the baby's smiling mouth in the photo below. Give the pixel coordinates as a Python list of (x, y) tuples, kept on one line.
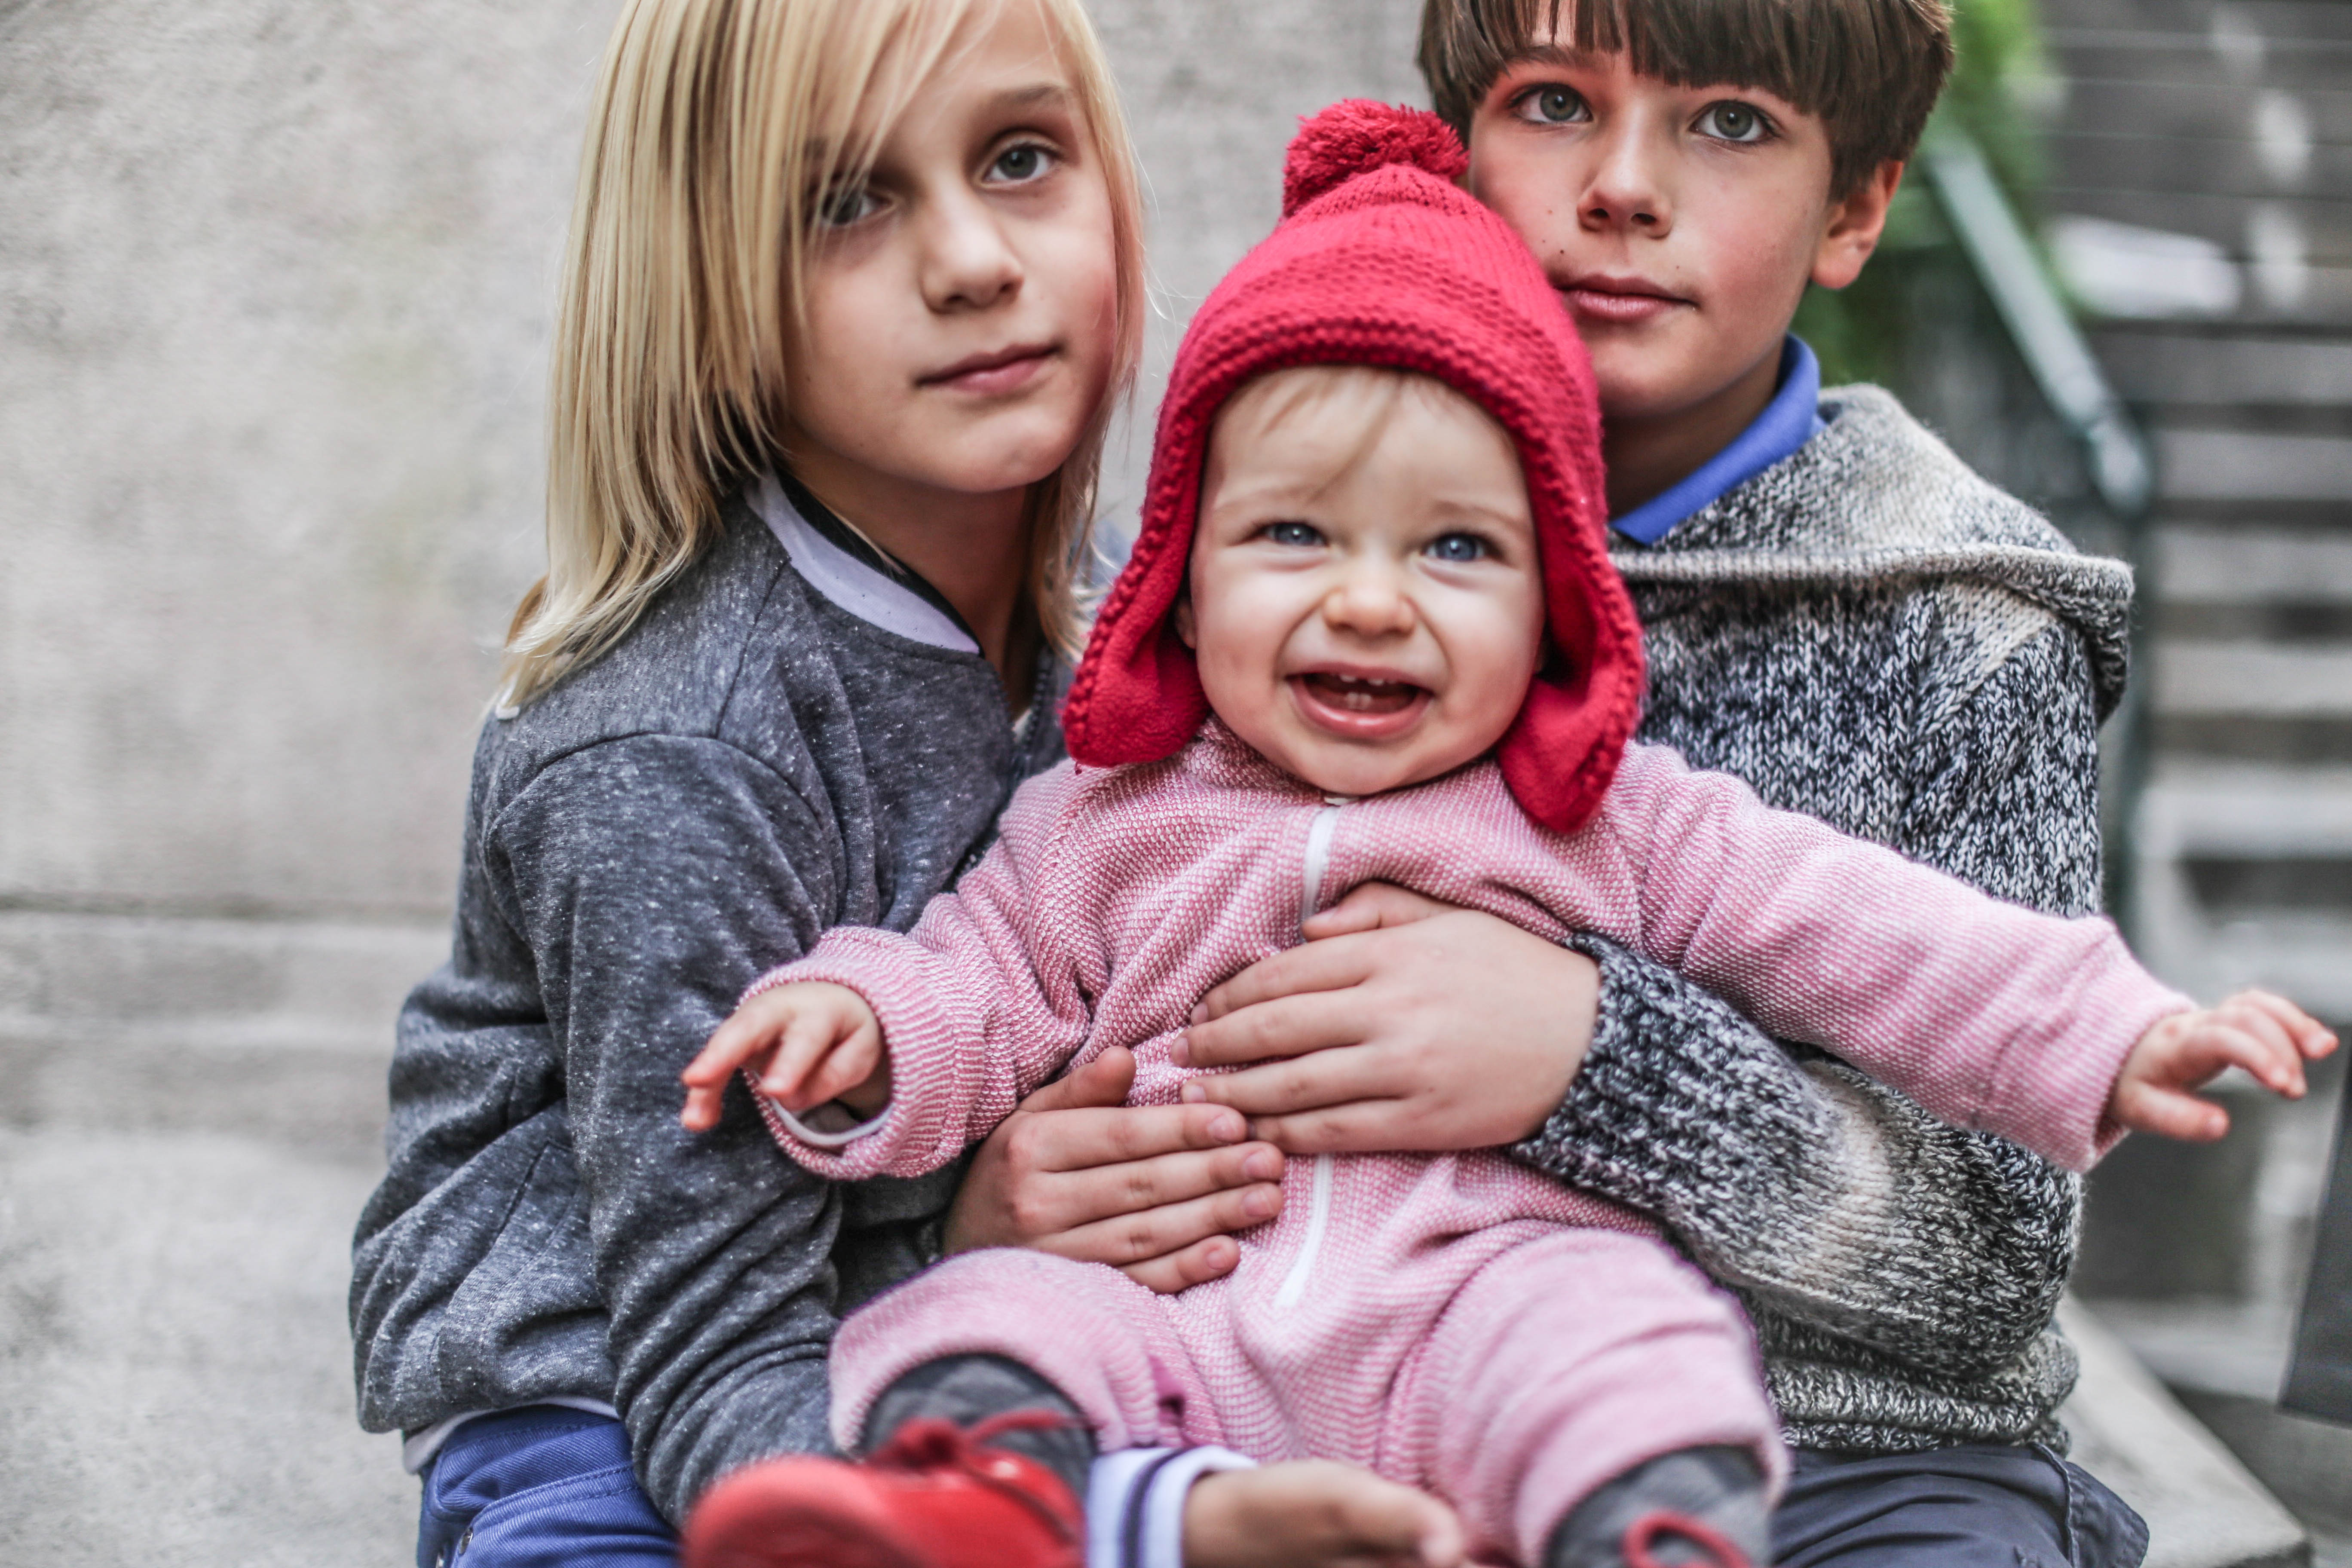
[(1357, 694)]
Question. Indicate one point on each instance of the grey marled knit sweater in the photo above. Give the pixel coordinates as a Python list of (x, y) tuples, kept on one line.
[(1867, 632)]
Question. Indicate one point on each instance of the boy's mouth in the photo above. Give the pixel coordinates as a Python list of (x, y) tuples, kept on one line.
[(1617, 300), (1361, 707)]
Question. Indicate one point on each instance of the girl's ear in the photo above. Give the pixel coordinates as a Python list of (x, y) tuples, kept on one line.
[(1185, 623)]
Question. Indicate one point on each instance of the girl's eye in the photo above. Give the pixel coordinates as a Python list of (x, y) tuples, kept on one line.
[(1299, 535), (846, 204), (1553, 105), (1457, 548), (1020, 164), (1732, 121)]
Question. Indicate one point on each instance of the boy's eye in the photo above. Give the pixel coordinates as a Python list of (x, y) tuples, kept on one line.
[(846, 204), (1457, 548), (1300, 535), (1553, 105), (1732, 121), (1020, 164)]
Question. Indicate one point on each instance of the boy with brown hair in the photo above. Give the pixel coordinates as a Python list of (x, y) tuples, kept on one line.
[(1837, 610)]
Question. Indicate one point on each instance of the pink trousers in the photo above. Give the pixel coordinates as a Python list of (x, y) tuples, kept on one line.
[(1559, 1362)]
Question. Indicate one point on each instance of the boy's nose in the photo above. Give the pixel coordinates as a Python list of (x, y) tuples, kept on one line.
[(1628, 189)]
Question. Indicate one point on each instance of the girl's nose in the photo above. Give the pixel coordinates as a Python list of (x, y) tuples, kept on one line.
[(967, 262)]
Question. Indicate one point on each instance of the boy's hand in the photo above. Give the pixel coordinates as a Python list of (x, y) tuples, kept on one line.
[(807, 1043), (2268, 1035)]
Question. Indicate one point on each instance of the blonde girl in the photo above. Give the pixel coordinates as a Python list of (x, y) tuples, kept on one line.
[(852, 289)]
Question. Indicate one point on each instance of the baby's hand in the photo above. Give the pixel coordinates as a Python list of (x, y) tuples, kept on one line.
[(2268, 1035), (807, 1043)]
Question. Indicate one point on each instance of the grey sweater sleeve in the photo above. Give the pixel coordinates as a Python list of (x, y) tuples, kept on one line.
[(1827, 1197), (653, 877)]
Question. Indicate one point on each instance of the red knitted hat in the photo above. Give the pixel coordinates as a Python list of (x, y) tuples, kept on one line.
[(1381, 260)]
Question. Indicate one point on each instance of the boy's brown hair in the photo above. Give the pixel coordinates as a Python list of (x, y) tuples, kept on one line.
[(1871, 68)]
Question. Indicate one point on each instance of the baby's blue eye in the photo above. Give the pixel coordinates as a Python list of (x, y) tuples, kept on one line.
[(1458, 547), (1302, 534), (1554, 105)]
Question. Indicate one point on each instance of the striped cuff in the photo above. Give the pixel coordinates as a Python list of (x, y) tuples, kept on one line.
[(841, 1127), (1135, 1503)]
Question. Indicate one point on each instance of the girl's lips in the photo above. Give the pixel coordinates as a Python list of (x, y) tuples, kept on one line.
[(1617, 306), (987, 375), (1359, 710)]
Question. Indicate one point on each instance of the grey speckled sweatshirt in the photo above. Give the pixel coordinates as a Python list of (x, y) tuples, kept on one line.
[(752, 764), (1867, 632)]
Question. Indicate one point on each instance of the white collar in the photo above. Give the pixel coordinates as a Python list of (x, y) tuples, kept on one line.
[(866, 592)]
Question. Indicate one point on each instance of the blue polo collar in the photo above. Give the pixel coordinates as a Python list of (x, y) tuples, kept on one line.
[(1788, 422)]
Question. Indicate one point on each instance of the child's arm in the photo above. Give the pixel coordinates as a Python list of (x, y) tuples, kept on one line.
[(1992, 1015), (941, 1031), (1846, 1214)]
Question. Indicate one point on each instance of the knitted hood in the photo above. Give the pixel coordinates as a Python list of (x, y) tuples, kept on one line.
[(1876, 498), (1381, 260)]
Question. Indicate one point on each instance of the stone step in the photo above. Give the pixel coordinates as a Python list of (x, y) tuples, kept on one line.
[(2203, 1509), (2242, 876), (2188, 57), (2164, 367), (2219, 29), (2204, 565), (2189, 810), (2225, 1362), (2248, 165), (2208, 107), (2255, 678), (324, 985), (2241, 466)]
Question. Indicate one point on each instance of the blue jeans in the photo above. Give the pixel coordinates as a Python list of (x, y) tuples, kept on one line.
[(1978, 1505), (542, 1487)]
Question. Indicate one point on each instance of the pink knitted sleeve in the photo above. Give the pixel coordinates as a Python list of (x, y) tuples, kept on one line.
[(979, 1004), (1992, 1015)]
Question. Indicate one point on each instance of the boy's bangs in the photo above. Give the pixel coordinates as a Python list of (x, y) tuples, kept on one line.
[(1870, 70)]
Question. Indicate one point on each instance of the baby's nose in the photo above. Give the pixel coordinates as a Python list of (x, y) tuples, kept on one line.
[(1369, 604)]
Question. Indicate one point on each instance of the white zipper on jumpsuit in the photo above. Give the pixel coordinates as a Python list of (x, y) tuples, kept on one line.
[(1318, 1208)]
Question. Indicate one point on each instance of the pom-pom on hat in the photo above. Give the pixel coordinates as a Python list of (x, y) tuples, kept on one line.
[(1380, 260)]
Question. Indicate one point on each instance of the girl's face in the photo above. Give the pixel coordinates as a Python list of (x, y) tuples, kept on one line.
[(1366, 606), (962, 300)]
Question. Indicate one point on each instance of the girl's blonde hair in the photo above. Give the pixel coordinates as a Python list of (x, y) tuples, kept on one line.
[(716, 127)]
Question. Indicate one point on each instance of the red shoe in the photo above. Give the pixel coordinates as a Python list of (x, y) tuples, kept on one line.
[(1645, 1534), (935, 1496)]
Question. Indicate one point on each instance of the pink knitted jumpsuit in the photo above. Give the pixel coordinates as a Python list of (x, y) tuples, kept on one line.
[(1453, 1321)]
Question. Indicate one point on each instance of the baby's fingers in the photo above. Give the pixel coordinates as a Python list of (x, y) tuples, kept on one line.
[(2243, 1034), (2170, 1113), (2311, 1039), (849, 1064), (807, 1039)]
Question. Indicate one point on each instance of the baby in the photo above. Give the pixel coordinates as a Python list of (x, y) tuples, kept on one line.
[(1370, 632)]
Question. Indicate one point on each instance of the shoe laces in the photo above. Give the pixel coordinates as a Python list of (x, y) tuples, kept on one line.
[(1645, 1532), (928, 1443)]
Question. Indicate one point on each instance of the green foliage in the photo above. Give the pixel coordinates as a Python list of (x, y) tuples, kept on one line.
[(2001, 92)]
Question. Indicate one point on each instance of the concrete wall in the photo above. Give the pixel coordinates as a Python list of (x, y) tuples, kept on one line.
[(275, 283)]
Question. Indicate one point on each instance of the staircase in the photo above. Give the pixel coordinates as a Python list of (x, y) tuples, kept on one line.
[(2201, 207)]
